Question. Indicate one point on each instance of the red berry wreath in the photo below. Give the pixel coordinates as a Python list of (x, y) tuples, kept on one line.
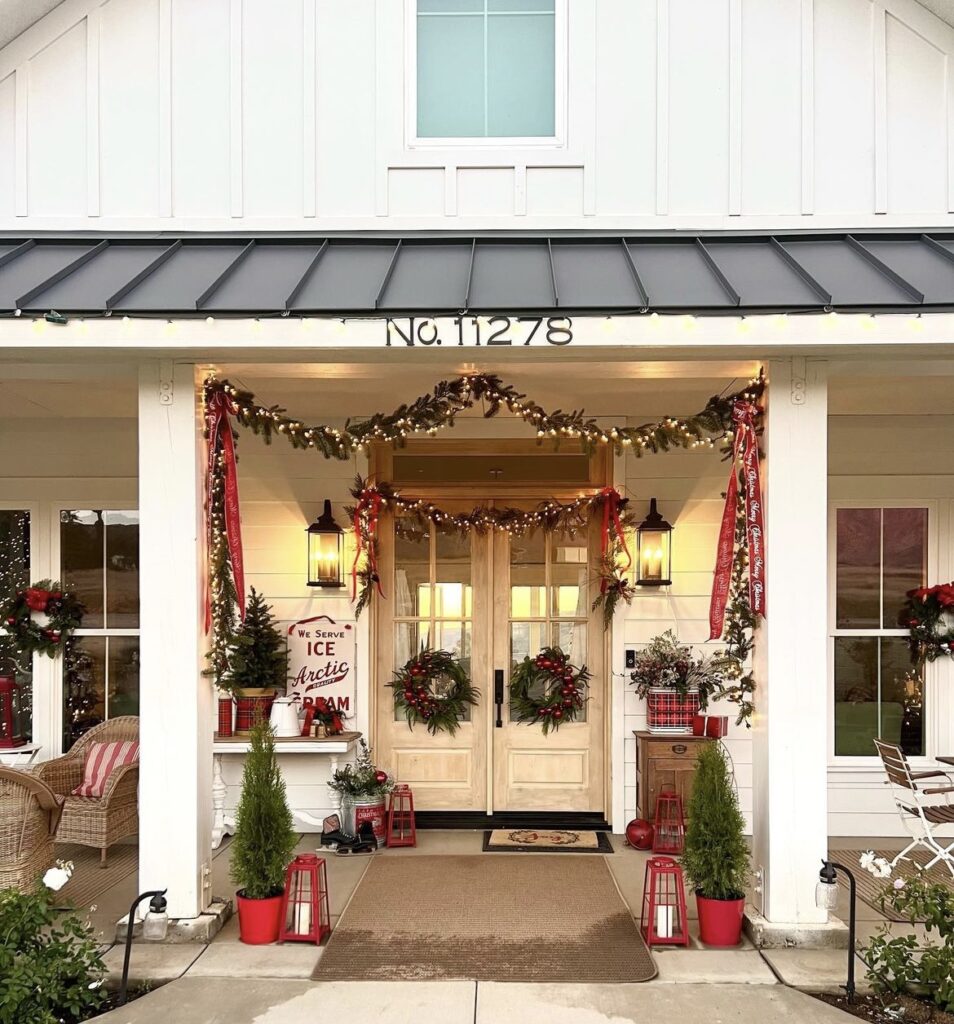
[(63, 610), (433, 689), (548, 689)]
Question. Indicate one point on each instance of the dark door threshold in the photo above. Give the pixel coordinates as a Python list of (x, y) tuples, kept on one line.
[(477, 820)]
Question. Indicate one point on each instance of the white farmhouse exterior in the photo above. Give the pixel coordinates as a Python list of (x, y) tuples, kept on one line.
[(668, 128)]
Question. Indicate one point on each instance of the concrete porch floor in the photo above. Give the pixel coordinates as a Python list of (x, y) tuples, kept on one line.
[(227, 957)]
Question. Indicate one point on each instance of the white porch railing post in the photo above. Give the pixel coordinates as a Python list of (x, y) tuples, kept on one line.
[(790, 735), (175, 790)]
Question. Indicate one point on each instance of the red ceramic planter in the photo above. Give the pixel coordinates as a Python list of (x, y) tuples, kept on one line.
[(259, 920), (720, 921)]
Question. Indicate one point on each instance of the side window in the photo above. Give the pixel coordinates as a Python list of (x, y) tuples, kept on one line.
[(99, 562), (881, 553), (486, 69)]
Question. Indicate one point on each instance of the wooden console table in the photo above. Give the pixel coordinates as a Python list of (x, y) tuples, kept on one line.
[(333, 746), (664, 759)]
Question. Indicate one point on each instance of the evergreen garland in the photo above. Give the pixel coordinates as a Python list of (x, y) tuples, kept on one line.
[(265, 837), (716, 857), (257, 652)]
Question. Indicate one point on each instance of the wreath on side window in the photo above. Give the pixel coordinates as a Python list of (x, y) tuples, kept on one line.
[(63, 611), (928, 615), (433, 689), (548, 689)]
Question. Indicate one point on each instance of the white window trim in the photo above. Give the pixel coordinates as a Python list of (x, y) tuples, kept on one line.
[(560, 97), (58, 692), (868, 764)]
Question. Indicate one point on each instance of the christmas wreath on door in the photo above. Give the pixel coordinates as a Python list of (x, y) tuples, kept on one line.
[(548, 689), (433, 689)]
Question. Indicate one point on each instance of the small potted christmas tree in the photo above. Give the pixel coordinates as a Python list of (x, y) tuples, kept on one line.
[(716, 857), (257, 663), (363, 788), (264, 841)]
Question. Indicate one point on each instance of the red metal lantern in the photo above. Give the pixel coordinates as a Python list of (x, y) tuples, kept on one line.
[(663, 919), (401, 828), (11, 713), (670, 824), (305, 915), (639, 834)]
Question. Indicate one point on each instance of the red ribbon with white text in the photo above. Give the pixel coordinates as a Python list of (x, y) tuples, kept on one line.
[(366, 514), (219, 430), (611, 500), (745, 447)]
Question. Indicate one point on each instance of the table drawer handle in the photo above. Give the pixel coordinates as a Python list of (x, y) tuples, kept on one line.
[(679, 748)]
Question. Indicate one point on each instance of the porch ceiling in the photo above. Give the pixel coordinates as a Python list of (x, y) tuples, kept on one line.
[(594, 273)]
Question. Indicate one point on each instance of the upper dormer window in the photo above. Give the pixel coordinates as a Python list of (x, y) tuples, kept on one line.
[(486, 69)]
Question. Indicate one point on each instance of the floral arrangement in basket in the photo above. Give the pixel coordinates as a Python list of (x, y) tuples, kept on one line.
[(675, 683), (928, 615), (363, 780)]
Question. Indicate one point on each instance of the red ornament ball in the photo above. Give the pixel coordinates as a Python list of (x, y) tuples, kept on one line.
[(380, 776), (639, 834)]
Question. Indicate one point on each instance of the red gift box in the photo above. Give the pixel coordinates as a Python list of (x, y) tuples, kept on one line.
[(713, 726)]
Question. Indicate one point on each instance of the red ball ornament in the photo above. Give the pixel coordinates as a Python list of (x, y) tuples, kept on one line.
[(541, 711), (380, 777), (546, 664), (408, 694), (557, 712), (639, 834)]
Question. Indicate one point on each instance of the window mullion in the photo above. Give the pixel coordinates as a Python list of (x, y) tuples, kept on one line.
[(486, 69)]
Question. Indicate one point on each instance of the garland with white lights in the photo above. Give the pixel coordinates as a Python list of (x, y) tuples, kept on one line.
[(428, 414)]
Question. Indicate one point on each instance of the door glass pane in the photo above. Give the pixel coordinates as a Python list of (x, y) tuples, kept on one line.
[(453, 594), (412, 574), (520, 75), (407, 641), (905, 558), (450, 76), (123, 676), (568, 572), (570, 637), (858, 569), (528, 576), (902, 697), (84, 686), (527, 639), (14, 576), (82, 534), (122, 569)]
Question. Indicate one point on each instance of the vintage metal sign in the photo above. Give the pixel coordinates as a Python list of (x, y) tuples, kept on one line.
[(321, 662)]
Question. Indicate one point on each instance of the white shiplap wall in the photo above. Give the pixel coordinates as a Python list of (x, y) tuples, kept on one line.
[(253, 114)]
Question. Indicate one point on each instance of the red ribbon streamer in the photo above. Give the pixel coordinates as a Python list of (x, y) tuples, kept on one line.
[(369, 501), (218, 409), (611, 501), (746, 446)]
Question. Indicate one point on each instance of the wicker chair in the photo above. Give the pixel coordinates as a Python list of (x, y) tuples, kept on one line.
[(29, 815), (96, 821)]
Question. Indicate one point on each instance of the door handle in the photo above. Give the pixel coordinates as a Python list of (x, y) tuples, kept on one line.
[(499, 695)]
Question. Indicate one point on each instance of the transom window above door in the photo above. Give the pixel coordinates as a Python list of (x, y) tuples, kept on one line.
[(486, 69)]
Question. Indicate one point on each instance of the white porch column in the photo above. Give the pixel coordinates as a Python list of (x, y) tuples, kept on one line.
[(791, 726), (175, 789)]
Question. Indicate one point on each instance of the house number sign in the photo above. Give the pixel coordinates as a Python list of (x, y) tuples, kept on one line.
[(321, 659), (476, 331)]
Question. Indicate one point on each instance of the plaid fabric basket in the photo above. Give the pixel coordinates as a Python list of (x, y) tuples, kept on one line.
[(669, 712), (248, 710), (226, 710)]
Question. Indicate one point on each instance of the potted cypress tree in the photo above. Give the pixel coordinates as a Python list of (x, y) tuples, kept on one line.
[(716, 857), (264, 841), (258, 663)]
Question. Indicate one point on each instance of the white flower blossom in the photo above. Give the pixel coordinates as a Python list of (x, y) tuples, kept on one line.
[(95, 984), (867, 860), (55, 878), (882, 869), (898, 883)]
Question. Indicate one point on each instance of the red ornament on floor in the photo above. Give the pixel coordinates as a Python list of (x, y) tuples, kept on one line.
[(401, 828), (670, 824), (639, 834), (305, 915), (663, 920)]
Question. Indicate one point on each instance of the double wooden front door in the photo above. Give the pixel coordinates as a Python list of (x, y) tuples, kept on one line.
[(491, 600)]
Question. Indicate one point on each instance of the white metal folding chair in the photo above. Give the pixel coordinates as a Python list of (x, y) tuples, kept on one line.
[(920, 817)]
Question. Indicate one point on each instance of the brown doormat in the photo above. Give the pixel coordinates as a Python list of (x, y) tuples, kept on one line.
[(531, 919), (545, 840), (870, 888), (89, 881)]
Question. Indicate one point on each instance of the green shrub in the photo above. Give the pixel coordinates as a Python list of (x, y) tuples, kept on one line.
[(716, 858), (264, 834), (50, 967)]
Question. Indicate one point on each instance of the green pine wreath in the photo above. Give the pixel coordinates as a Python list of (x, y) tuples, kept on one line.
[(562, 687), (64, 612), (433, 689)]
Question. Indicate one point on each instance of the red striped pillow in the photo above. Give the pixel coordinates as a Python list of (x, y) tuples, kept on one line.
[(101, 759)]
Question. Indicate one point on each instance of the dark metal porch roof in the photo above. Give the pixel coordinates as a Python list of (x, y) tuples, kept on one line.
[(719, 273)]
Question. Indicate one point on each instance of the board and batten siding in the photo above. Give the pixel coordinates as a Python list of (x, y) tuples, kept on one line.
[(292, 114)]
